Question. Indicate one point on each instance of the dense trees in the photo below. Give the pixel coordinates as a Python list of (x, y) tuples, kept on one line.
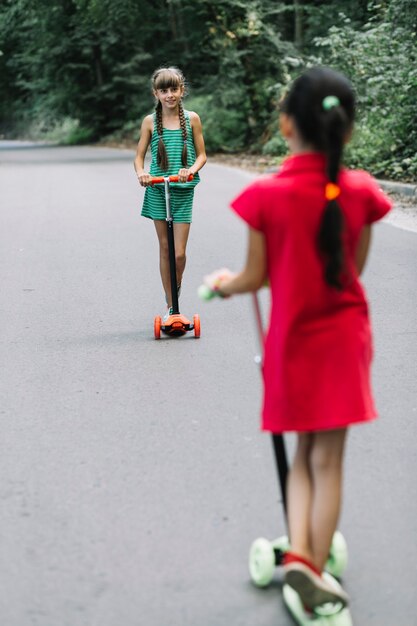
[(78, 70)]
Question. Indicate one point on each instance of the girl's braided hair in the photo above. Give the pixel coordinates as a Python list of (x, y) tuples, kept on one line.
[(325, 128), (164, 78)]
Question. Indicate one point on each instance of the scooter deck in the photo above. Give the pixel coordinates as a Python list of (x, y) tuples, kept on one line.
[(301, 617), (176, 324)]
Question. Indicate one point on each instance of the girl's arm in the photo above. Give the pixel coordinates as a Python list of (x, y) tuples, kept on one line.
[(143, 145), (253, 275), (363, 249), (199, 146)]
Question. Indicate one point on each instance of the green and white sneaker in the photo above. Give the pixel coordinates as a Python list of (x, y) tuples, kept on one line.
[(169, 312), (330, 614)]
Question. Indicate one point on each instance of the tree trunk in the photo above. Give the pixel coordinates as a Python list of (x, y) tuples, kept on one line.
[(298, 24), (172, 20), (183, 33), (98, 66)]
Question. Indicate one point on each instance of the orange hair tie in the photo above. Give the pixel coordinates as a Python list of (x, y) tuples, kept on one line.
[(332, 191)]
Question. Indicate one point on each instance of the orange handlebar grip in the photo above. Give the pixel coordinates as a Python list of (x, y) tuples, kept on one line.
[(156, 180)]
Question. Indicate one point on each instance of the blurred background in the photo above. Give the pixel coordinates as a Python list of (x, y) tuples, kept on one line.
[(78, 71)]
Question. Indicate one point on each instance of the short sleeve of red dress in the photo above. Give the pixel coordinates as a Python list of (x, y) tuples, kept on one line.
[(377, 204), (248, 205)]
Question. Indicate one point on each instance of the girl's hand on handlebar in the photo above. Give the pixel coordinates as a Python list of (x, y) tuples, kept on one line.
[(145, 179), (216, 279), (183, 175)]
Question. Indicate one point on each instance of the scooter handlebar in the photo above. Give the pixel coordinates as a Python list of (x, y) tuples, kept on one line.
[(205, 293), (157, 180), (208, 293)]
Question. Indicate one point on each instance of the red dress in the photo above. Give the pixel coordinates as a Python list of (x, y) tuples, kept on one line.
[(318, 348)]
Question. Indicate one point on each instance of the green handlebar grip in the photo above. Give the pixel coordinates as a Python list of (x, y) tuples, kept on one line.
[(205, 293)]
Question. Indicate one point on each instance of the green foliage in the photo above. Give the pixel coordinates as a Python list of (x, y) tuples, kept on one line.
[(319, 17), (224, 127), (275, 146), (70, 59), (79, 70), (381, 61), (69, 132), (380, 58)]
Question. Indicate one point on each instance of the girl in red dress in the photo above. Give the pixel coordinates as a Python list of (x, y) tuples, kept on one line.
[(309, 234)]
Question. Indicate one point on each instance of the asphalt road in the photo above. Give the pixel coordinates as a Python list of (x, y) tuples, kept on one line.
[(133, 476)]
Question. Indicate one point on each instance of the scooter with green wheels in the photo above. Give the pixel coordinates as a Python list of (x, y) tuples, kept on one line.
[(265, 555), (176, 324)]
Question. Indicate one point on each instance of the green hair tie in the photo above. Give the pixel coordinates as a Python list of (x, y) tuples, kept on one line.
[(329, 102)]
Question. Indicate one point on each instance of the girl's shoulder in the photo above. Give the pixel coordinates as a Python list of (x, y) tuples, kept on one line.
[(359, 181), (357, 177), (193, 116), (367, 188), (148, 121)]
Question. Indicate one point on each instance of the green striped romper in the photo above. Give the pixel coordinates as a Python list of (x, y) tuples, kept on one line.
[(182, 194)]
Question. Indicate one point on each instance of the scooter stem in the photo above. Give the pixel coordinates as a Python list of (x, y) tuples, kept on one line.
[(171, 248)]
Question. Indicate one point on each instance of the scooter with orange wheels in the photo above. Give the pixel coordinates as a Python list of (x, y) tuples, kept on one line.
[(266, 555), (176, 324)]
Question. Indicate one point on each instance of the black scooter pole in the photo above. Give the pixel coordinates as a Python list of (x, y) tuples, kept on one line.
[(280, 453), (282, 467), (171, 249)]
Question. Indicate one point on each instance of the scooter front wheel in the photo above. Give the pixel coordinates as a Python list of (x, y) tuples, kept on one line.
[(157, 327), (197, 326)]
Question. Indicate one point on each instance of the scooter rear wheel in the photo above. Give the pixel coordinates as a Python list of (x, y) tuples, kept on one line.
[(157, 327), (197, 326), (261, 562), (338, 557)]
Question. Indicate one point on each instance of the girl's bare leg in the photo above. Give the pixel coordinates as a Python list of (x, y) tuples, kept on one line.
[(161, 231), (181, 232), (314, 493), (300, 498), (326, 463)]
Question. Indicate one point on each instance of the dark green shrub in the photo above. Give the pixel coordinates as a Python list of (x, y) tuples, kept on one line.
[(224, 120), (381, 61)]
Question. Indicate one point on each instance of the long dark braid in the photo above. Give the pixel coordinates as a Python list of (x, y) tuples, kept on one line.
[(322, 104), (183, 124), (162, 156), (332, 223)]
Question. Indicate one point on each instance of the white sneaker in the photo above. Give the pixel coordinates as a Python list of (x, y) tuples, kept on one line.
[(169, 312)]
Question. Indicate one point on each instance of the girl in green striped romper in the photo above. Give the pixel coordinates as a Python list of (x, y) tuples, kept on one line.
[(177, 147)]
